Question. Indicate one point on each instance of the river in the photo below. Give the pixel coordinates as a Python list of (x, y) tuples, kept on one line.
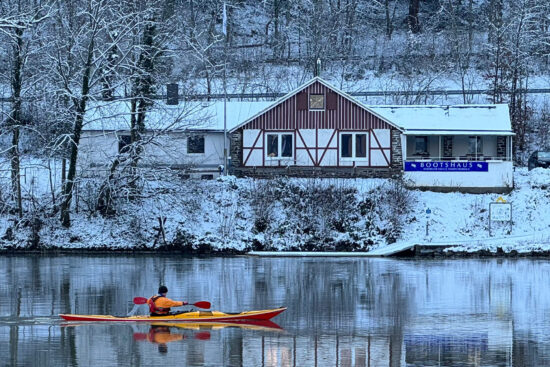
[(341, 311)]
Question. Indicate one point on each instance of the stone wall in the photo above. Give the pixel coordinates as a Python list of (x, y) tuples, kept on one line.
[(396, 150), (501, 146), (325, 172), (235, 149), (447, 146)]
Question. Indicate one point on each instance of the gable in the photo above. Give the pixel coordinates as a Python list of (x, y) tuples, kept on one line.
[(292, 112)]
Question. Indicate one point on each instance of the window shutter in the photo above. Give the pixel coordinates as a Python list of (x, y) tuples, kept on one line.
[(301, 100), (332, 97)]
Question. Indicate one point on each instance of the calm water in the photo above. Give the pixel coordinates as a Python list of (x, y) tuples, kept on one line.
[(341, 312)]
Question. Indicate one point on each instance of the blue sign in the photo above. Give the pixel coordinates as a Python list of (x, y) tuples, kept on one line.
[(428, 211), (446, 166)]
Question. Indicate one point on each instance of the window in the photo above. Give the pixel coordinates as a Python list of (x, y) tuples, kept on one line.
[(316, 101), (124, 142), (475, 145), (420, 145), (353, 145), (195, 144), (279, 145)]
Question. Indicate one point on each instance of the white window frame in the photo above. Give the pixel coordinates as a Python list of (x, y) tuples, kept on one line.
[(279, 146), (353, 146)]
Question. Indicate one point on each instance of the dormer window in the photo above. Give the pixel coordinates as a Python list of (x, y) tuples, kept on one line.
[(316, 101)]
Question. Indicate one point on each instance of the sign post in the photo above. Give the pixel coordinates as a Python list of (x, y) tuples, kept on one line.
[(500, 211), (428, 212)]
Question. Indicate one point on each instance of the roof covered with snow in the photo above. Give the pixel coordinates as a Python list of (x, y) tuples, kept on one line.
[(452, 120), (209, 116)]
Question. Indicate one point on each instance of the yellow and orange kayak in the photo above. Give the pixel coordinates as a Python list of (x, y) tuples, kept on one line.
[(192, 316)]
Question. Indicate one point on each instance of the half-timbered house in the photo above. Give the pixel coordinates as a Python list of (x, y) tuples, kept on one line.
[(316, 129)]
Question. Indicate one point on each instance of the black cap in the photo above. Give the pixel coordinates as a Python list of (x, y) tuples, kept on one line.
[(163, 289)]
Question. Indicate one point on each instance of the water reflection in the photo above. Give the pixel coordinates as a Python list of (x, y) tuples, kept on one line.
[(162, 335), (341, 312)]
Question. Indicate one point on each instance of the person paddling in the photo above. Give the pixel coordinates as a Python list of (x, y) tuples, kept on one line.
[(159, 305)]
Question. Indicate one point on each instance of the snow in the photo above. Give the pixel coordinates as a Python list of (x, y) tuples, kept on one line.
[(414, 119), (456, 119), (116, 115), (219, 214)]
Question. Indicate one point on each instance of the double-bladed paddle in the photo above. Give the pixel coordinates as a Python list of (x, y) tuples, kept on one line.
[(200, 304)]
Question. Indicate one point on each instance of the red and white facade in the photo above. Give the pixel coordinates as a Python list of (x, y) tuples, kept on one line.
[(314, 126)]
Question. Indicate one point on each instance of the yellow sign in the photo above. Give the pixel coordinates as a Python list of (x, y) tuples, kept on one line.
[(501, 200)]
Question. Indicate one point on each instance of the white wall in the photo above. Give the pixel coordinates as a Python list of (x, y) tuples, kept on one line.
[(100, 148), (500, 175), (253, 157)]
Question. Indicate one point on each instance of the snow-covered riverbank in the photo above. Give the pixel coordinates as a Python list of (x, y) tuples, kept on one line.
[(233, 215)]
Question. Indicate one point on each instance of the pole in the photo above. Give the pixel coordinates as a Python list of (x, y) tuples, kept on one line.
[(224, 123), (224, 91)]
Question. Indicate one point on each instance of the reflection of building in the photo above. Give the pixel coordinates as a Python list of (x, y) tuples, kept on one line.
[(468, 339), (325, 350)]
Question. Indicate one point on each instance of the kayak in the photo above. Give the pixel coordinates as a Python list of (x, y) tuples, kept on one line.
[(192, 316), (265, 325)]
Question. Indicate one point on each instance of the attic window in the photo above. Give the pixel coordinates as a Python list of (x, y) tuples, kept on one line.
[(316, 101)]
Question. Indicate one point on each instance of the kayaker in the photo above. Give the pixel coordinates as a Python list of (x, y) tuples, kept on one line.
[(161, 335), (160, 305)]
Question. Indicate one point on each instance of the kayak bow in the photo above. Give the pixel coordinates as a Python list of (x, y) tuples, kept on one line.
[(193, 316)]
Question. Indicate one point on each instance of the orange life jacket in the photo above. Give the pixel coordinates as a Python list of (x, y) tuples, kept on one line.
[(154, 309)]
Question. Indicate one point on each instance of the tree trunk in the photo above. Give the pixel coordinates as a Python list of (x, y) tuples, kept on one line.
[(412, 18), (80, 107), (389, 25), (15, 121)]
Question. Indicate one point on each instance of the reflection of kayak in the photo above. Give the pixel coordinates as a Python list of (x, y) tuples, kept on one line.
[(264, 325), (193, 316)]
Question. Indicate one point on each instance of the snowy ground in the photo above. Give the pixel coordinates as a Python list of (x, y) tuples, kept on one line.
[(343, 214)]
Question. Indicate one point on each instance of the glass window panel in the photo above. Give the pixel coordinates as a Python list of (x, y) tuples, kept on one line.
[(286, 145), (421, 144), (361, 146), (479, 145), (316, 101), (272, 145), (475, 145), (195, 144), (346, 148)]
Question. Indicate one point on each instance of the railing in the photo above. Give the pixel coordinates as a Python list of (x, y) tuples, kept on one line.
[(467, 157)]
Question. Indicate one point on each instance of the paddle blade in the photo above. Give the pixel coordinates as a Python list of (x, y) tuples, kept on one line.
[(203, 335), (140, 300), (140, 336), (202, 304)]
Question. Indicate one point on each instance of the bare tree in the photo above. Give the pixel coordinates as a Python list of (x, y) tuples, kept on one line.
[(19, 23), (82, 58)]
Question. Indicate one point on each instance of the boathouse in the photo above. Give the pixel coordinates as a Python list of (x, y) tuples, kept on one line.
[(318, 130)]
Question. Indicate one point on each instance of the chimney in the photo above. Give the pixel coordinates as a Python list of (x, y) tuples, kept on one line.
[(172, 94), (317, 71)]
